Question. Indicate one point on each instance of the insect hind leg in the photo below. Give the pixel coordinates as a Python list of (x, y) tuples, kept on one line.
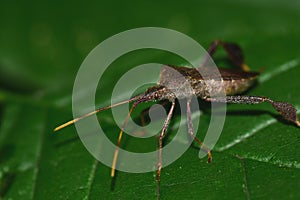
[(286, 110)]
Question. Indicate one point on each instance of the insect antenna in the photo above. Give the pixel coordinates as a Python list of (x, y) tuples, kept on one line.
[(114, 163), (94, 112)]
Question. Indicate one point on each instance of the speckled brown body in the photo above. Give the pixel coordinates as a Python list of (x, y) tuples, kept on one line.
[(203, 82)]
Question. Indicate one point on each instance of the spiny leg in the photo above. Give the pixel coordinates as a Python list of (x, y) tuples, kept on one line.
[(234, 52), (191, 132), (113, 168), (160, 144), (286, 110)]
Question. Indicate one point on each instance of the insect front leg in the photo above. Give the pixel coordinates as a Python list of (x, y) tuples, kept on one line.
[(191, 131), (234, 52), (116, 153), (286, 110), (160, 144)]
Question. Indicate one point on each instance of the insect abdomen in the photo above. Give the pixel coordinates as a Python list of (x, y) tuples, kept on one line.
[(238, 86), (211, 88)]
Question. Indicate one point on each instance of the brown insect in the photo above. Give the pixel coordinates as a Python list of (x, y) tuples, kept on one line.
[(232, 81)]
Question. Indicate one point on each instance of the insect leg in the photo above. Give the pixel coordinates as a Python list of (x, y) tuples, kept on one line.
[(160, 141), (191, 132), (286, 110), (113, 168), (234, 52)]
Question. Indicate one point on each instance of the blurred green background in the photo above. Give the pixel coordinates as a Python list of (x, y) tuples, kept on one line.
[(42, 45)]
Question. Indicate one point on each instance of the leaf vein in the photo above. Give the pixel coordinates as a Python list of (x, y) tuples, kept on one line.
[(278, 70), (39, 154), (91, 179)]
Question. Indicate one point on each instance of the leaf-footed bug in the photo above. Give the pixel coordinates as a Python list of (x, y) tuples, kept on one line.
[(234, 82)]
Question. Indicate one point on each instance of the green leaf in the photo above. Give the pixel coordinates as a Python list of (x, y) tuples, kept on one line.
[(42, 47)]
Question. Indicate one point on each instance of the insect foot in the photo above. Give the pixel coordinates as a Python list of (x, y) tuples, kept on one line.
[(287, 111)]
